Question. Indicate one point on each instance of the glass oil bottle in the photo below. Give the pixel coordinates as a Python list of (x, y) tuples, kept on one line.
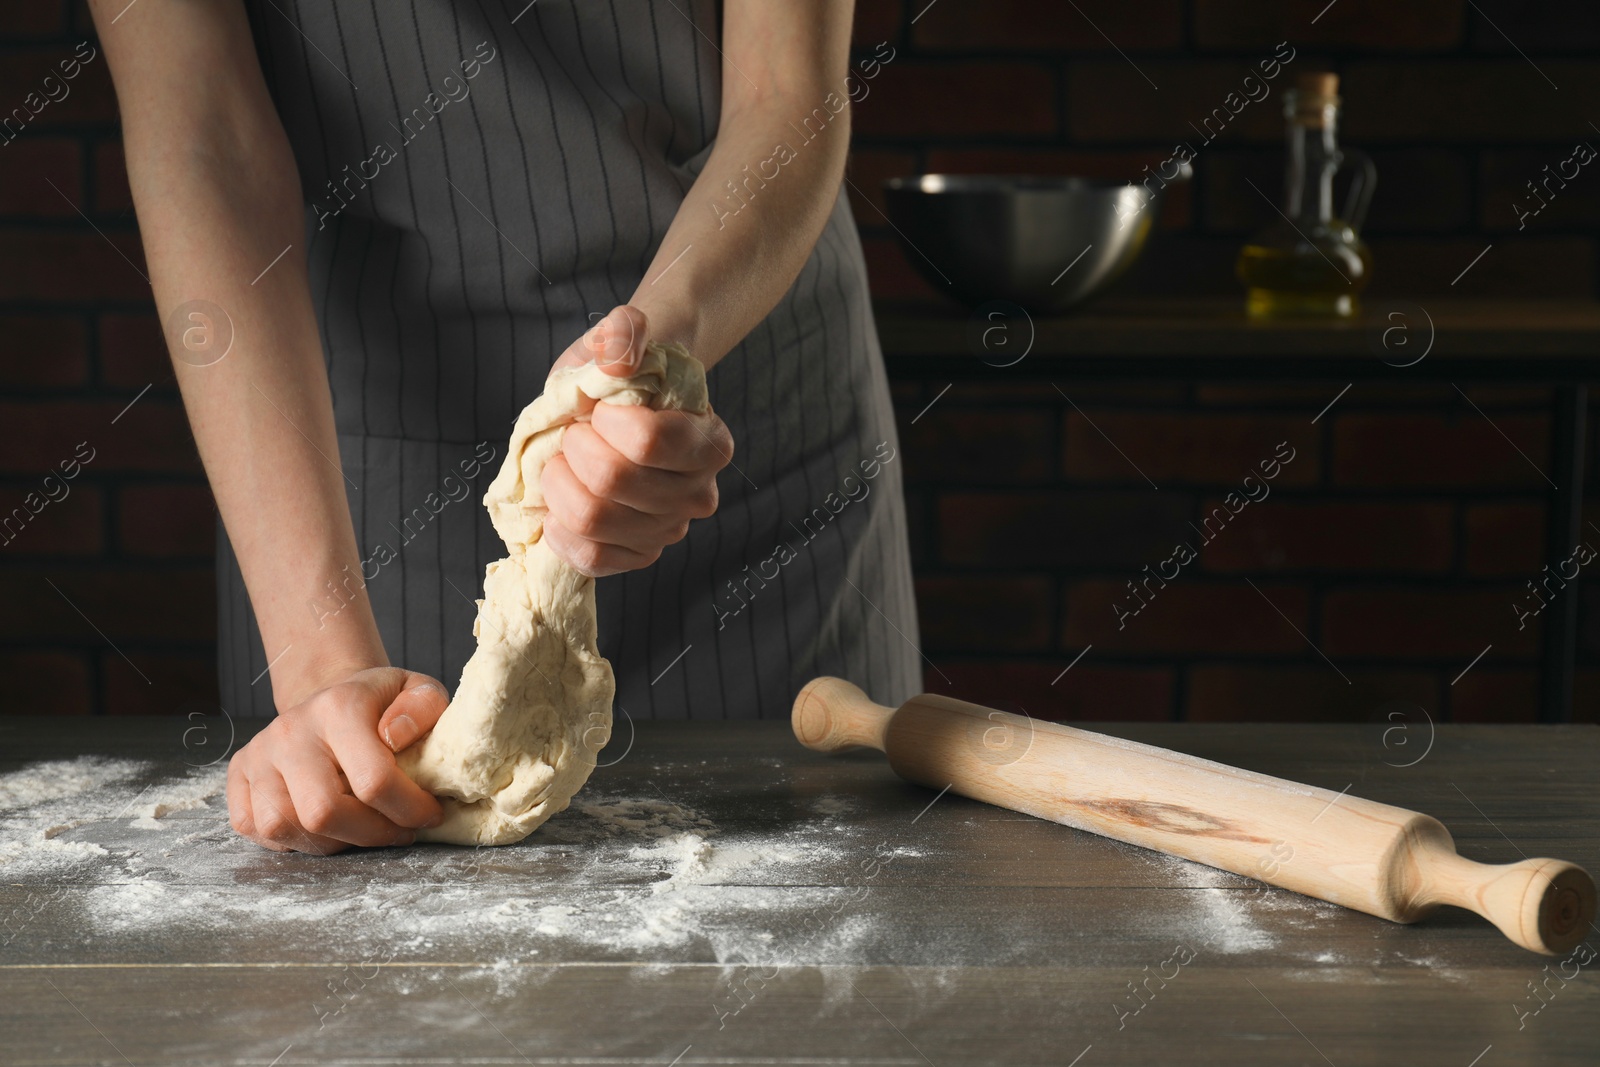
[(1311, 262)]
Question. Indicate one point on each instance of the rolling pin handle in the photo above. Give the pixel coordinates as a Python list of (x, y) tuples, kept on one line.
[(1545, 905), (830, 714)]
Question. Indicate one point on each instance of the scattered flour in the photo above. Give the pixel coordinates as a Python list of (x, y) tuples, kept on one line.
[(641, 879), (55, 779)]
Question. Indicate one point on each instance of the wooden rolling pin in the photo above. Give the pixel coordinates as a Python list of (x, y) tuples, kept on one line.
[(1383, 860)]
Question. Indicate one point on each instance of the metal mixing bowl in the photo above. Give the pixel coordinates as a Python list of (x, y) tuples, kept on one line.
[(1045, 243)]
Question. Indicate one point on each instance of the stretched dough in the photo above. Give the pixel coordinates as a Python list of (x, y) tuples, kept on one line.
[(534, 704)]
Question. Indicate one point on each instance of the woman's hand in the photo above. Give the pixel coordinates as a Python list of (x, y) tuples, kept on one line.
[(629, 479), (323, 776)]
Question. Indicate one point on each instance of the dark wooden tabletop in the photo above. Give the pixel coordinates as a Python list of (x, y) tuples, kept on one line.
[(719, 895)]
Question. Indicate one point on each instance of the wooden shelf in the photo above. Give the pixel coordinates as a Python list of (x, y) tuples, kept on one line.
[(1530, 340)]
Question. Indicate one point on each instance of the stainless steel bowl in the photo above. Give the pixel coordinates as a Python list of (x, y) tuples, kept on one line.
[(1044, 243)]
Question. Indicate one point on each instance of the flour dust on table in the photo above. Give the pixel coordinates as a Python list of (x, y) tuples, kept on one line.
[(614, 876)]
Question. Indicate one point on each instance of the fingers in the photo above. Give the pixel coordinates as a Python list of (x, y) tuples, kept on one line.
[(413, 712), (272, 811), (616, 343), (326, 812), (596, 518), (378, 782), (594, 558), (610, 475), (666, 440)]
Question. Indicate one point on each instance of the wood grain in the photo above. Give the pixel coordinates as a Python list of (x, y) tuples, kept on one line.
[(997, 938)]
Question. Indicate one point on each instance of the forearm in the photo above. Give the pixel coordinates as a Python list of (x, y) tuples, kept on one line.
[(217, 194), (752, 217)]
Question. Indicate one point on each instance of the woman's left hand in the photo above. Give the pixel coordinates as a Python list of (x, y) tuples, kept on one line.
[(629, 480)]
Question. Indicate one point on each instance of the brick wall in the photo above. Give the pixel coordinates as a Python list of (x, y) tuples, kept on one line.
[(108, 590), (1406, 526)]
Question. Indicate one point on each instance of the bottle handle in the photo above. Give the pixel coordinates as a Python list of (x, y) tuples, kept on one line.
[(1361, 187)]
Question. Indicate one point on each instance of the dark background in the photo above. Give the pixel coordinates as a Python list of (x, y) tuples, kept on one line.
[(1407, 524)]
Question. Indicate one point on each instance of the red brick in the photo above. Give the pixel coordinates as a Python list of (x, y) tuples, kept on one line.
[(127, 606), (1186, 618), (892, 277), (1558, 25), (29, 166), (1050, 529), (1040, 25), (1588, 616), (1190, 449), (111, 192), (1419, 190), (1533, 267), (1495, 696), (133, 353), (877, 21), (1411, 623), (953, 445), (1554, 202), (1000, 614), (1285, 535), (153, 436), (46, 351), (46, 683), (1109, 100), (1423, 25), (90, 97), (1104, 166), (1031, 392), (1465, 103), (166, 520), (869, 169), (922, 528), (1301, 694), (1086, 693), (1314, 397), (167, 684), (1504, 539), (44, 18), (73, 525), (1586, 696), (1463, 449), (77, 267), (944, 100)]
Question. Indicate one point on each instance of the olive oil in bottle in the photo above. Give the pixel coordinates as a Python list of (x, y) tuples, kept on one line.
[(1311, 262)]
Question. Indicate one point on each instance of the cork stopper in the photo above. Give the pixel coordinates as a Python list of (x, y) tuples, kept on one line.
[(1314, 100), (1317, 83)]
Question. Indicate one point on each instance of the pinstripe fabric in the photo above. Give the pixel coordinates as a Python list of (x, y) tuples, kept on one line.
[(513, 206)]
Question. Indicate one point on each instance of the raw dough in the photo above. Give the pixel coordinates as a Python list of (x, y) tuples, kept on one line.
[(534, 704)]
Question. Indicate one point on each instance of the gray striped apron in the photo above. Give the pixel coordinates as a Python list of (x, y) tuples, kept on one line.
[(482, 182)]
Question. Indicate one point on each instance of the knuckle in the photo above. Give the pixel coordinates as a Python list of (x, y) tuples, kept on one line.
[(677, 533), (318, 818), (704, 503), (588, 556), (367, 783), (585, 516), (273, 827), (606, 478)]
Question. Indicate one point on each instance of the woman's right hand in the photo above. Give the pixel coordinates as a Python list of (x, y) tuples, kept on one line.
[(323, 777)]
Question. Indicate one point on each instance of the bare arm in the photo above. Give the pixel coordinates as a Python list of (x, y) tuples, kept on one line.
[(218, 199), (630, 481), (782, 143)]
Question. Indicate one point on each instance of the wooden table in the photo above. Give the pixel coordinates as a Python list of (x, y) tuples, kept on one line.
[(976, 936), (1523, 342)]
